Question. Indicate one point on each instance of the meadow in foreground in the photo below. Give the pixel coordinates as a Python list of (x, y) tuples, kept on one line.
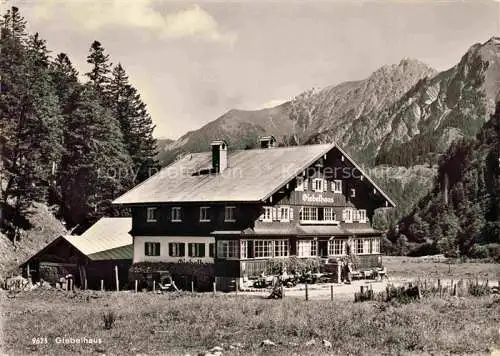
[(176, 324)]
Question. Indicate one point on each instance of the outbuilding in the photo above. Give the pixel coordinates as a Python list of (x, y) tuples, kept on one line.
[(100, 253)]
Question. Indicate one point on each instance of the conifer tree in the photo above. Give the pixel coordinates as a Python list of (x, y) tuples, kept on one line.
[(99, 74), (30, 122), (135, 123), (95, 168)]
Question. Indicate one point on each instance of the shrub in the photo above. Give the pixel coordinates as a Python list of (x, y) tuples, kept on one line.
[(109, 319), (478, 251), (424, 249), (293, 265), (400, 294), (477, 289), (494, 251), (387, 247)]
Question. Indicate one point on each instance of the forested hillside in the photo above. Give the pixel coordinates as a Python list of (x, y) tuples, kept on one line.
[(69, 144), (461, 215)]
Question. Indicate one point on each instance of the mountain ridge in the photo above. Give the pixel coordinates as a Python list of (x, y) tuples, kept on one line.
[(397, 79)]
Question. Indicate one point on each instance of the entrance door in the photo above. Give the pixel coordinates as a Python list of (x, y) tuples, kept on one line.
[(323, 248)]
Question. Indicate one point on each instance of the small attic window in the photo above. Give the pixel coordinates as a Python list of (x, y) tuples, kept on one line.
[(151, 215), (352, 193)]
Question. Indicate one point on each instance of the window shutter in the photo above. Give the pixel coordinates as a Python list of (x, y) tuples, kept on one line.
[(211, 250), (273, 214), (182, 249), (290, 213), (202, 250)]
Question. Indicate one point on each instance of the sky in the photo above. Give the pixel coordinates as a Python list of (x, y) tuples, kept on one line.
[(193, 61)]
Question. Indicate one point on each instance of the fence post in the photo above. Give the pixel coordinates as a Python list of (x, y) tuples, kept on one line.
[(331, 292), (102, 285), (135, 285), (192, 286), (117, 280), (154, 286), (307, 292), (215, 288), (237, 286)]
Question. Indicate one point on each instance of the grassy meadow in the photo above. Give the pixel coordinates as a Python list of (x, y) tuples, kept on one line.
[(182, 323), (400, 267), (176, 324)]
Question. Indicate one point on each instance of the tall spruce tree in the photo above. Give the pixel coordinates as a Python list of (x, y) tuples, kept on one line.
[(135, 123), (30, 122), (95, 167), (99, 75)]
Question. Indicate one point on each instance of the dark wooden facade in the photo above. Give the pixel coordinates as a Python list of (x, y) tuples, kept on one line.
[(248, 225)]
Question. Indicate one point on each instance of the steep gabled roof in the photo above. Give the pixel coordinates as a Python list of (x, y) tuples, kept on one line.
[(251, 176)]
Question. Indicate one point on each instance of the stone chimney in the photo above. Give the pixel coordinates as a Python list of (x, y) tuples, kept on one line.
[(267, 142), (219, 155)]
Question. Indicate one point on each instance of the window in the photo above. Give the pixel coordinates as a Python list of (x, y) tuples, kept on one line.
[(367, 247), (151, 215), (283, 213), (196, 250), (280, 248), (318, 184), (337, 186), (307, 248), (176, 214), (300, 184), (347, 215), (151, 249), (176, 249), (358, 245), (362, 216), (353, 193), (228, 249), (263, 248), (204, 214), (229, 215), (211, 250), (336, 247), (268, 214), (329, 214), (308, 214), (375, 245)]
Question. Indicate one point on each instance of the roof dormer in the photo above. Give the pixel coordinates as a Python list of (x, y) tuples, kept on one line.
[(267, 142)]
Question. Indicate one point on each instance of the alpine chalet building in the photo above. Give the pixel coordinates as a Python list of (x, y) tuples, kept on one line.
[(238, 209)]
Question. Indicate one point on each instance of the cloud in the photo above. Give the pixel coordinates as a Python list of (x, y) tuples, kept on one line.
[(145, 15)]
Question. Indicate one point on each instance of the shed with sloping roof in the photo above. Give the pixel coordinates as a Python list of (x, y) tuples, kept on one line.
[(90, 257)]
